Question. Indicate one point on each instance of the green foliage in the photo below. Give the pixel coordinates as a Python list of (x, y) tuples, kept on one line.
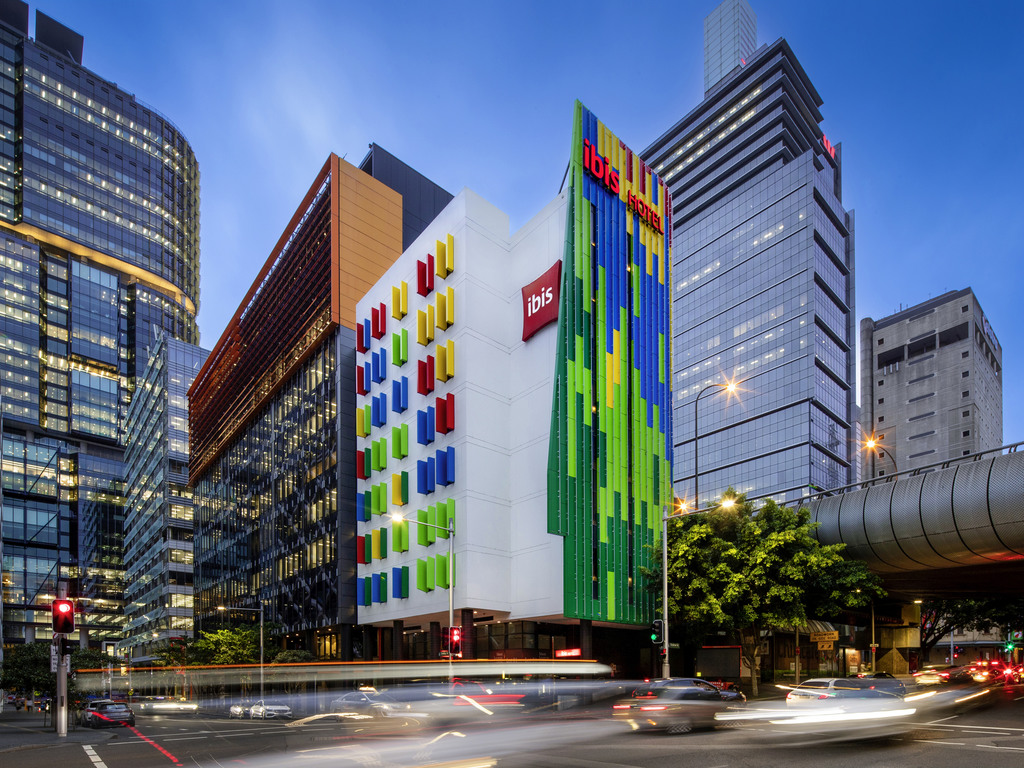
[(748, 570), (27, 668), (227, 646), (294, 656)]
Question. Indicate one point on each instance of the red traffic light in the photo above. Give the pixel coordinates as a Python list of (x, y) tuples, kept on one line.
[(63, 616)]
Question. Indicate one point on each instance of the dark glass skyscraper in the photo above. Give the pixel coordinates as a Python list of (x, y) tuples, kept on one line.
[(762, 267), (99, 247)]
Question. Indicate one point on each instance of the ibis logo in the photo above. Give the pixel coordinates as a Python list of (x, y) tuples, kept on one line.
[(540, 301)]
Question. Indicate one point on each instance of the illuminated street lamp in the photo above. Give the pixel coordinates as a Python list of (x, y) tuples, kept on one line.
[(253, 610), (875, 446), (729, 387)]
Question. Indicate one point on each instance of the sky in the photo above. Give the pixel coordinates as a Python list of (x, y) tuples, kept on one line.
[(924, 96)]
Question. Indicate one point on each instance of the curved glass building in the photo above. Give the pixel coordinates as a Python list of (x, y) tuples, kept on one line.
[(99, 248)]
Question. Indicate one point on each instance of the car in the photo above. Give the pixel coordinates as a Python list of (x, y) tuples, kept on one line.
[(240, 711), (366, 703), (103, 713), (675, 705), (264, 710), (166, 705), (442, 703), (934, 674), (994, 671), (832, 690), (884, 681)]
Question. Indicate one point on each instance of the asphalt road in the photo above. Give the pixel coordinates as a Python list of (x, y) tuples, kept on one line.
[(990, 736)]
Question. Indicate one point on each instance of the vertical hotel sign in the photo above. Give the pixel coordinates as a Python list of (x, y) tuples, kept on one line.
[(610, 451)]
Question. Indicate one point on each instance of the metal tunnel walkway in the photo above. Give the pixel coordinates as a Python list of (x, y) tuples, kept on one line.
[(938, 525)]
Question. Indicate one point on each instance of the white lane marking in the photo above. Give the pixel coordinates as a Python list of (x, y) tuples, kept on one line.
[(993, 746), (950, 743), (942, 719), (91, 754)]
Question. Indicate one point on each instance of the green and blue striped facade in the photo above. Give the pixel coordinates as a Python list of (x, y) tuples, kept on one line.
[(610, 451)]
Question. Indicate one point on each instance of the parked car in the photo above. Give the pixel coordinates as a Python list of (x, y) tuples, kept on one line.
[(264, 710), (166, 705), (884, 681), (830, 690), (675, 705), (104, 713)]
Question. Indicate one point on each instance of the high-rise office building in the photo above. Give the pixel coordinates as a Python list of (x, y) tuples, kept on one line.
[(762, 267), (158, 538), (931, 384), (272, 412), (99, 247)]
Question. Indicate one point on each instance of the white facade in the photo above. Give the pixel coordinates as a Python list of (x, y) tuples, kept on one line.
[(506, 563)]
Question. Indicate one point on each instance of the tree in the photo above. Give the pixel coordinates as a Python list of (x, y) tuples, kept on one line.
[(940, 617), (27, 668), (227, 646), (748, 570)]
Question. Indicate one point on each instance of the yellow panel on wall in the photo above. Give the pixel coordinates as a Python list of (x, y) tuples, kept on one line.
[(450, 306), (442, 311), (441, 259), (450, 254)]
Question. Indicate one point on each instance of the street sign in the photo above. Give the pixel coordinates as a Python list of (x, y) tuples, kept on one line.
[(824, 637), (825, 646)]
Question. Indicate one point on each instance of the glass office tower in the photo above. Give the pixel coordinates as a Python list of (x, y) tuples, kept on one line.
[(762, 267), (99, 247), (158, 541)]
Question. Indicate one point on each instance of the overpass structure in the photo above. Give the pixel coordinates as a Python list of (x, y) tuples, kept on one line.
[(954, 529)]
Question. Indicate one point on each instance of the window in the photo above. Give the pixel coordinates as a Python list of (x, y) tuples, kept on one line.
[(966, 453), (881, 419), (965, 393), (965, 374), (880, 383), (963, 308), (881, 342), (964, 355), (967, 433), (881, 400), (965, 414), (891, 357)]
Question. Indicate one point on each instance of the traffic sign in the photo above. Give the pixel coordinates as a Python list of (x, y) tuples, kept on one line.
[(823, 637), (825, 646)]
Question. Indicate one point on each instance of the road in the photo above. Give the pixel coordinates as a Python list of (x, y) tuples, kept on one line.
[(991, 736)]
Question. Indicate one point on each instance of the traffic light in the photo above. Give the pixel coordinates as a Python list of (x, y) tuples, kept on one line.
[(658, 632), (455, 642), (1010, 645), (63, 616)]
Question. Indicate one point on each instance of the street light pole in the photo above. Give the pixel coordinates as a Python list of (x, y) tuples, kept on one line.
[(450, 530), (728, 387), (872, 444), (666, 668), (252, 610)]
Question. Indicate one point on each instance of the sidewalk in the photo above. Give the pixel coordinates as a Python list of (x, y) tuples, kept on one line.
[(26, 730)]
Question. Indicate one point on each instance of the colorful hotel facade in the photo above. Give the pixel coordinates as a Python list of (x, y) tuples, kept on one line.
[(515, 389)]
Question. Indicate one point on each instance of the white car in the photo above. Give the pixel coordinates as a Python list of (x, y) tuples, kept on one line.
[(262, 710)]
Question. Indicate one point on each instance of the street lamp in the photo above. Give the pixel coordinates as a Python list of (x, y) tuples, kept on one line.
[(874, 445), (260, 612), (450, 530), (729, 387)]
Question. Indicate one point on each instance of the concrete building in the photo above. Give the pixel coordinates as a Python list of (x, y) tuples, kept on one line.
[(158, 540), (99, 248), (931, 384), (763, 282)]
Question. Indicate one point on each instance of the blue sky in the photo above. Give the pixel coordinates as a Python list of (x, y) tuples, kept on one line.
[(924, 96)]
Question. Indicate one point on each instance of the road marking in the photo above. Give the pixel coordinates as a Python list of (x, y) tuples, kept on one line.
[(992, 746), (91, 754), (950, 743)]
